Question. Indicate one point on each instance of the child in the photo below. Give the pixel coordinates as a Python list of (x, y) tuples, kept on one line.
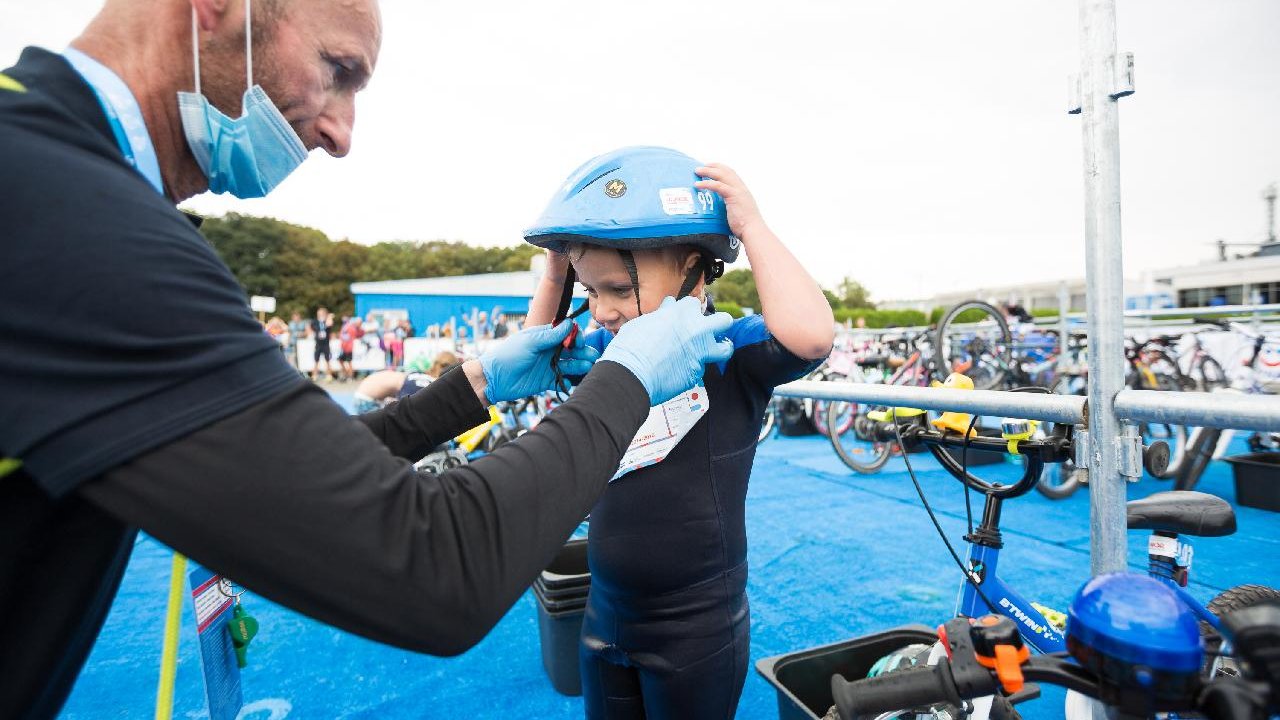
[(666, 630)]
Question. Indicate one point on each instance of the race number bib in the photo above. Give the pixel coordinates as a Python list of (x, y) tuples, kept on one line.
[(665, 427)]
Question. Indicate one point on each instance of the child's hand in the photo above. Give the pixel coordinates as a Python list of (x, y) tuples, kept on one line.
[(744, 216), (557, 266)]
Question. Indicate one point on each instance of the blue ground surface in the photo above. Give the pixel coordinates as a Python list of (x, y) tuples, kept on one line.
[(833, 555)]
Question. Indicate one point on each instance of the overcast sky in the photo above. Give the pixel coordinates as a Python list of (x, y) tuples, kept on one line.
[(914, 146)]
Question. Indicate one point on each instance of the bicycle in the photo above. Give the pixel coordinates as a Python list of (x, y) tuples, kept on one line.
[(1168, 515), (848, 425), (1124, 651)]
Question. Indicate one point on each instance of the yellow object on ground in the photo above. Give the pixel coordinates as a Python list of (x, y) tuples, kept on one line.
[(172, 624)]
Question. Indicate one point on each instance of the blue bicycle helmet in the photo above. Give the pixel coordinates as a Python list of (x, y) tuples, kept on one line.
[(637, 198)]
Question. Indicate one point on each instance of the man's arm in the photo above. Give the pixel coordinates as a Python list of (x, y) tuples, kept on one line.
[(302, 505)]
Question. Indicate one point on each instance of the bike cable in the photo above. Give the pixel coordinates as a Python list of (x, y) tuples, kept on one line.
[(964, 465), (968, 576)]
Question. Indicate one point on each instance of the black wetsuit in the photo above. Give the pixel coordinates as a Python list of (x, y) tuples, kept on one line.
[(139, 392), (666, 631)]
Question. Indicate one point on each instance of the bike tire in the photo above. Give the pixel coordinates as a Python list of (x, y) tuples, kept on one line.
[(1212, 377), (984, 376), (867, 463), (1226, 602), (1059, 480), (1198, 456)]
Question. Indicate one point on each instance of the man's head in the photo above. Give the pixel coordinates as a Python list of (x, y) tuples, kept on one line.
[(611, 294), (322, 313), (310, 56)]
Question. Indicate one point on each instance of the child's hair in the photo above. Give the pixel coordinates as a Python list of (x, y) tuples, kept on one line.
[(677, 254), (444, 362)]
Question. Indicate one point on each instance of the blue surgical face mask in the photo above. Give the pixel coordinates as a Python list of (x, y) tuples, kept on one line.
[(246, 156)]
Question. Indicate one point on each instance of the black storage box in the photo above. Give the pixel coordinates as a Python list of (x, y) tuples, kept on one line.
[(561, 592), (558, 633), (803, 678), (568, 569), (1257, 480)]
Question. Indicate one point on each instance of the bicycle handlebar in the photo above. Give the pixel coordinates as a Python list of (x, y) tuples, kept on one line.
[(982, 661)]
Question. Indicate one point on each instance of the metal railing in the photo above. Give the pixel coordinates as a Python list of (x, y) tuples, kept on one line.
[(1224, 409)]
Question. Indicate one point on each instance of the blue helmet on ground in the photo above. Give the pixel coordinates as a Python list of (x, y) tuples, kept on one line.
[(636, 198)]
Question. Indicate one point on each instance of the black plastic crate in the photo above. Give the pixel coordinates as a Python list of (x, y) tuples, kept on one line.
[(803, 678), (558, 634), (568, 569), (1257, 478), (561, 604)]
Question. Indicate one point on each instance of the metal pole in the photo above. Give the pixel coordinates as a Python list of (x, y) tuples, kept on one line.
[(1064, 307), (1035, 406), (1224, 409), (1105, 279)]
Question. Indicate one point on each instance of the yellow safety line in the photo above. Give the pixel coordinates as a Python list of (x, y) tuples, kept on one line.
[(172, 624)]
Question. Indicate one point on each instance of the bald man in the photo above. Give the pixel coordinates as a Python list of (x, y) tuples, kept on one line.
[(138, 391)]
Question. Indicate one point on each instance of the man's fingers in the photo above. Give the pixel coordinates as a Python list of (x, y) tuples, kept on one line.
[(719, 322), (575, 367), (721, 351)]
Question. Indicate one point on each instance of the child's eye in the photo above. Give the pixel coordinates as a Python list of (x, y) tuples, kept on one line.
[(622, 292)]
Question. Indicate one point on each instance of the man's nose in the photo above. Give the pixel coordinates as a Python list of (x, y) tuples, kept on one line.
[(335, 125)]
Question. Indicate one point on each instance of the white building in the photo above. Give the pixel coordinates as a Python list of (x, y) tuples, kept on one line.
[(1251, 280)]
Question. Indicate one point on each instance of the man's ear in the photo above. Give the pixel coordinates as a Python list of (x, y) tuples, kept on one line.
[(209, 13)]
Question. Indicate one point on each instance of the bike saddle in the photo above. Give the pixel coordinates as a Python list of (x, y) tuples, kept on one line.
[(1185, 512)]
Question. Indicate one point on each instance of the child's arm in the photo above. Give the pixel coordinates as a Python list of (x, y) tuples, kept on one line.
[(546, 299), (795, 310)]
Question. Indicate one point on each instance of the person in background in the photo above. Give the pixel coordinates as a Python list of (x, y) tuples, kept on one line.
[(320, 329), (297, 330), (383, 386), (279, 332), (352, 330), (500, 328)]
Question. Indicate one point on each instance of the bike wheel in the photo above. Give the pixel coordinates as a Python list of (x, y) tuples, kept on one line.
[(1059, 480), (974, 339), (1199, 453), (1227, 602), (864, 456), (1211, 375)]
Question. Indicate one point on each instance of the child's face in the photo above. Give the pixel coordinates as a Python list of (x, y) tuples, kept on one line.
[(608, 285)]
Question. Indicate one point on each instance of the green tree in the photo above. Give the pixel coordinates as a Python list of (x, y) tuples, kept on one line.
[(737, 287), (852, 294)]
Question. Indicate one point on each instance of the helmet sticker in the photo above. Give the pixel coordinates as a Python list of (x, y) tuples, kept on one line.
[(677, 201), (615, 188)]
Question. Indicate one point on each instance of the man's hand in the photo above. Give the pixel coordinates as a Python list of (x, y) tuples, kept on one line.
[(744, 216), (520, 365), (667, 348)]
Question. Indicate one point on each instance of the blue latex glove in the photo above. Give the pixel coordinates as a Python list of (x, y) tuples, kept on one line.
[(667, 348), (520, 365)]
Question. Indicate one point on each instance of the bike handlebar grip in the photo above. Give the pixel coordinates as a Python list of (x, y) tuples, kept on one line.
[(897, 690)]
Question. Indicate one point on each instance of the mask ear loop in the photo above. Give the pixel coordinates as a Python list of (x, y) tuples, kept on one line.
[(248, 46), (195, 46)]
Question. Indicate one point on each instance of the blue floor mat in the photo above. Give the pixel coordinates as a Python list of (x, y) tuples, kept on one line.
[(833, 555)]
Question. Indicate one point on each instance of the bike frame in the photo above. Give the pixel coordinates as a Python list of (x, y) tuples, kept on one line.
[(1034, 627)]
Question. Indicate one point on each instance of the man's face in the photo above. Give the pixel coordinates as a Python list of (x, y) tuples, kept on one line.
[(311, 59)]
